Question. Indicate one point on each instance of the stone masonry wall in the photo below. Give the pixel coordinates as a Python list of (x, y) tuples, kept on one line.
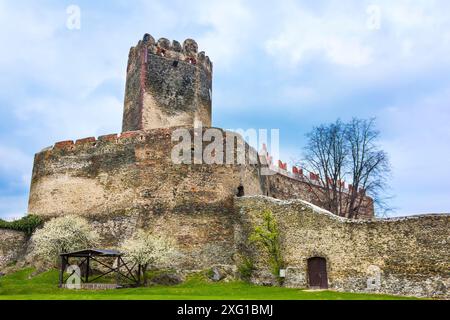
[(285, 186), (128, 181), (12, 246), (125, 182), (168, 84), (412, 253)]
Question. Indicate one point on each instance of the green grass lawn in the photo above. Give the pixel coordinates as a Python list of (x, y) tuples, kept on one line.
[(19, 285)]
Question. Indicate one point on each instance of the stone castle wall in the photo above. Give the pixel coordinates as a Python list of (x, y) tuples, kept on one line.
[(125, 182), (128, 181), (411, 253), (13, 245), (285, 185)]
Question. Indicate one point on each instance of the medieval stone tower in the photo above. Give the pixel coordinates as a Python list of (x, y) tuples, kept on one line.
[(168, 84)]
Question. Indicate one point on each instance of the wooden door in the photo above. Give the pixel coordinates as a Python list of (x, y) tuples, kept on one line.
[(317, 273)]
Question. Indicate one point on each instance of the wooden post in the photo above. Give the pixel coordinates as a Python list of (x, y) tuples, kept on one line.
[(139, 275), (117, 271), (87, 269), (61, 272)]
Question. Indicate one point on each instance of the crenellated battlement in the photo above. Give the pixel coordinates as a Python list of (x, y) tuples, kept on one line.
[(68, 145), (300, 174), (172, 50), (129, 137)]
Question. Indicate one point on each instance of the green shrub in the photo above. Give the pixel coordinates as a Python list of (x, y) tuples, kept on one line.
[(27, 224), (268, 236), (246, 269)]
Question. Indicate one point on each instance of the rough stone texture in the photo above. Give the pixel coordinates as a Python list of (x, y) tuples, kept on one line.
[(166, 279), (167, 86), (122, 183), (412, 253), (223, 273), (12, 246), (131, 182), (285, 185)]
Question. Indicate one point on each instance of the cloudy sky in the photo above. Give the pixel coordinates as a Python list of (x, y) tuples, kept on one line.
[(282, 64)]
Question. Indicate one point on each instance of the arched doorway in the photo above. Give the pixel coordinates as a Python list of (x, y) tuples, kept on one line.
[(317, 273)]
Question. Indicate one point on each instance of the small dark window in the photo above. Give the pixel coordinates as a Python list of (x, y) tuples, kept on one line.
[(175, 63), (240, 192)]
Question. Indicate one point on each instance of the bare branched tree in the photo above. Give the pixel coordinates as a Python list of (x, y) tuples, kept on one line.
[(326, 155), (348, 151)]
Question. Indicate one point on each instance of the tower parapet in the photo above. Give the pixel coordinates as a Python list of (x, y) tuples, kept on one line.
[(168, 84)]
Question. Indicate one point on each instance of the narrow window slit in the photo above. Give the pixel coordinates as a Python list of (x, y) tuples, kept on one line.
[(240, 192)]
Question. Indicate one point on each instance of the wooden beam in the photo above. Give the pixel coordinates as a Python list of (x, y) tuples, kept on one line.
[(61, 272), (87, 269)]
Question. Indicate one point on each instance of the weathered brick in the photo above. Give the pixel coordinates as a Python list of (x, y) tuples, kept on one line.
[(63, 144), (129, 134), (89, 140), (108, 137)]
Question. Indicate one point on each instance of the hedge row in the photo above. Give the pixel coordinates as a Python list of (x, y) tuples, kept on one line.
[(27, 224)]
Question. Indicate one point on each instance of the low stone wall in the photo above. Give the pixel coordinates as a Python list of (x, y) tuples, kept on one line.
[(12, 246), (405, 256)]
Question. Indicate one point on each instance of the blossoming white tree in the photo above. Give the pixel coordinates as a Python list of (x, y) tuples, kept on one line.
[(63, 234), (147, 250)]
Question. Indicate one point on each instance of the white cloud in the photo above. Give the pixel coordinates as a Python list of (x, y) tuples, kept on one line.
[(53, 73), (348, 52), (306, 34), (231, 25), (339, 34)]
